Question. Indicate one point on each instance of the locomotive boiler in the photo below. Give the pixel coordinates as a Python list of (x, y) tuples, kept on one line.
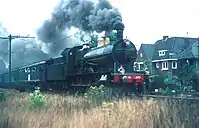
[(113, 55)]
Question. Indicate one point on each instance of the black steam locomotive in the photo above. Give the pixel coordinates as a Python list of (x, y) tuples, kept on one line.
[(82, 66)]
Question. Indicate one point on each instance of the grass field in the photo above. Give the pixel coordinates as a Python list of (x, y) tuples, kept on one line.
[(76, 112)]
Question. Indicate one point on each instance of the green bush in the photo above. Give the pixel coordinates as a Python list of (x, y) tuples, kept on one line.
[(97, 94), (157, 81), (3, 96), (37, 100)]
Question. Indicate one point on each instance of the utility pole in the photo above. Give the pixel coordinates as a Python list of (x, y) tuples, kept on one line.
[(10, 37)]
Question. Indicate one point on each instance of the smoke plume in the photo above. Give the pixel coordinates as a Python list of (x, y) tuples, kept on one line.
[(23, 51), (82, 14), (3, 48), (26, 52)]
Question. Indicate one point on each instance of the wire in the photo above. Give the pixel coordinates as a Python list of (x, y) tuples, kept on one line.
[(54, 14), (70, 36)]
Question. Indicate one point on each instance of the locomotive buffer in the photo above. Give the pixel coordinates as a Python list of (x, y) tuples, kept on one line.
[(10, 37)]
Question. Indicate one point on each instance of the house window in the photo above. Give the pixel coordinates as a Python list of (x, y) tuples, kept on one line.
[(157, 65), (140, 54), (140, 66), (162, 52), (164, 65), (134, 67), (174, 65)]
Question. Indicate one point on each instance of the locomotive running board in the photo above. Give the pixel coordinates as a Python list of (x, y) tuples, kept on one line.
[(87, 74)]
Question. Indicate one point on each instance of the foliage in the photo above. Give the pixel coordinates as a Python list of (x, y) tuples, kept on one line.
[(187, 89), (67, 111), (157, 81), (37, 100), (167, 91), (188, 77), (187, 73), (3, 96), (169, 81), (97, 94), (166, 85), (112, 36), (93, 39)]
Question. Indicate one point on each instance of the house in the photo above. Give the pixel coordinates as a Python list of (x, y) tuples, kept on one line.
[(144, 57), (172, 54)]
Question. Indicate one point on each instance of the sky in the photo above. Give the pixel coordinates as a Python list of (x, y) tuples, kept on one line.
[(146, 21)]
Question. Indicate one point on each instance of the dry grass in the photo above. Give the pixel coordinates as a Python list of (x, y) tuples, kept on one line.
[(71, 112)]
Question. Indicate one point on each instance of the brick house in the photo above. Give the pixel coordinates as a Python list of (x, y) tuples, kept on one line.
[(144, 57), (171, 54)]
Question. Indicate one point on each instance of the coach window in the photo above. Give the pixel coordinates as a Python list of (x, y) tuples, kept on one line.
[(28, 70), (34, 69), (41, 67)]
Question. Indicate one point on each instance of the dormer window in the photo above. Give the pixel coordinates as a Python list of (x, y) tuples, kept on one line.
[(162, 52)]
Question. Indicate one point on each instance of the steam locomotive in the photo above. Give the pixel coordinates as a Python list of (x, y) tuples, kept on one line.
[(81, 66)]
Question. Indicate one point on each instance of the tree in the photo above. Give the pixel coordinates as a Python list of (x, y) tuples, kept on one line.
[(188, 78), (93, 38), (112, 36), (93, 41)]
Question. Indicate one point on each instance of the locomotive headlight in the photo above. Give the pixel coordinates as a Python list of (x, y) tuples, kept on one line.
[(129, 77), (173, 91), (125, 78), (138, 77), (156, 90)]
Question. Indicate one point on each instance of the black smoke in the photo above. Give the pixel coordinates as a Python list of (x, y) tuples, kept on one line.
[(24, 51), (82, 14)]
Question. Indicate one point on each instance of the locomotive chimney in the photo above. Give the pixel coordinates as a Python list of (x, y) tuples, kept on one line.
[(119, 27), (120, 33)]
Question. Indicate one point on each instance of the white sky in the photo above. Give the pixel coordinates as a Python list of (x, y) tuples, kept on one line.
[(145, 20)]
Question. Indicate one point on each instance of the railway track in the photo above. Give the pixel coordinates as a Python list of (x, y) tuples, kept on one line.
[(162, 97)]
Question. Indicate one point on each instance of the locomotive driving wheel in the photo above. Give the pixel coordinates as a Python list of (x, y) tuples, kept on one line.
[(93, 76)]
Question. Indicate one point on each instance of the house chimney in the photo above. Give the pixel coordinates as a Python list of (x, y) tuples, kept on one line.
[(165, 37)]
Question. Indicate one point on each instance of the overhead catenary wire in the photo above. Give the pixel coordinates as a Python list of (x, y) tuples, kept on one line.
[(54, 15), (10, 37)]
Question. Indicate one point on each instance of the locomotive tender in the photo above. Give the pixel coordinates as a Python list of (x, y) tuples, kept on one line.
[(82, 66)]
